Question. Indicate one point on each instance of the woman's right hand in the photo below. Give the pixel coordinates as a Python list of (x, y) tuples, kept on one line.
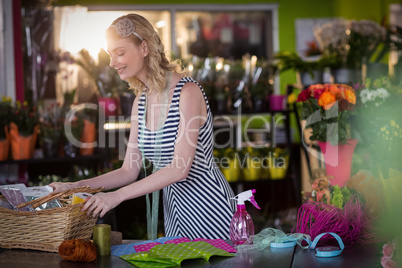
[(62, 186)]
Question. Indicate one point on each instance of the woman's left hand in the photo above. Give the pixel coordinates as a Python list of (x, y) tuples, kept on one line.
[(100, 203)]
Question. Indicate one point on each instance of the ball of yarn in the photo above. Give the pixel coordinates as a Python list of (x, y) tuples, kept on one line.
[(78, 250)]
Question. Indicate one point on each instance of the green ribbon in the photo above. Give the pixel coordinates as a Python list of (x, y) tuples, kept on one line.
[(152, 212), (271, 235)]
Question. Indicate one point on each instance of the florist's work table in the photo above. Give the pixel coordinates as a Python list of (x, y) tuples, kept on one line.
[(357, 256)]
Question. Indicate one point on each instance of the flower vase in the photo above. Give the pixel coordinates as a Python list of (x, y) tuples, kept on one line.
[(307, 79), (277, 102), (108, 106), (4, 146), (346, 76), (22, 147), (231, 171), (252, 170), (88, 137), (278, 168), (338, 160)]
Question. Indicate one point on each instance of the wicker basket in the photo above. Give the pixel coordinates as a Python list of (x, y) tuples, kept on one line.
[(46, 229)]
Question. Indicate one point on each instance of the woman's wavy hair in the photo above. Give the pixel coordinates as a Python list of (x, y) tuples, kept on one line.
[(156, 63)]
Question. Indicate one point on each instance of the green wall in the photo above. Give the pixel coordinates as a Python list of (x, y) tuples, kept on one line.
[(288, 11)]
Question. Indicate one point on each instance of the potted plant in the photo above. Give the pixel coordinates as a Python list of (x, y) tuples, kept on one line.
[(5, 113), (24, 129), (51, 129), (228, 162), (260, 87), (311, 72), (251, 163), (278, 163), (265, 154)]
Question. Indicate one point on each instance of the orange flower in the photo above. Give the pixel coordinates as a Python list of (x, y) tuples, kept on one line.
[(350, 96), (325, 193), (335, 89), (320, 183), (326, 100)]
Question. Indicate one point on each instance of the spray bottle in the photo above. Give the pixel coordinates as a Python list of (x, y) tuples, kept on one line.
[(242, 226)]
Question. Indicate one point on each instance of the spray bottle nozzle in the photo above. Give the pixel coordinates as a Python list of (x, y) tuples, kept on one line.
[(247, 196)]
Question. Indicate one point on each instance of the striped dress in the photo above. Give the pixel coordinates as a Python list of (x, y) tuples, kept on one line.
[(200, 205)]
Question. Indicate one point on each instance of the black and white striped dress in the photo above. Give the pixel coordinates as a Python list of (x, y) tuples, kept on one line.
[(200, 205)]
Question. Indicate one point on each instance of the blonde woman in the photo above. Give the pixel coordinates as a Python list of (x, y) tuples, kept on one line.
[(172, 127)]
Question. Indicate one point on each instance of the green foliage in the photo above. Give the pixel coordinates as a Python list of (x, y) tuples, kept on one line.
[(340, 196), (290, 60)]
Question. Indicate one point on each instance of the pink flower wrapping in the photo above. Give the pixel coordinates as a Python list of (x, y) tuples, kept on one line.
[(388, 263), (388, 251)]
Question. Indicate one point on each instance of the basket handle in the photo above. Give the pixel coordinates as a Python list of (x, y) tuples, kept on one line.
[(41, 200)]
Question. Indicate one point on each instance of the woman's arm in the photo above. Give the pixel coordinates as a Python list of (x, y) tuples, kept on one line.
[(125, 175), (192, 116)]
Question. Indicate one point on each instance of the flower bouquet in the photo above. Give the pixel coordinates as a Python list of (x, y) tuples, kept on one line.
[(326, 109)]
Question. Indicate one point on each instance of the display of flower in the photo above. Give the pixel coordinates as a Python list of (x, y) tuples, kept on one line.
[(324, 192), (378, 123), (25, 117), (349, 42), (376, 96), (326, 109), (313, 49), (389, 254), (334, 209)]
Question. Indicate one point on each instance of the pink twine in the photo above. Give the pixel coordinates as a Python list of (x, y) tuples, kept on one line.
[(350, 223)]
